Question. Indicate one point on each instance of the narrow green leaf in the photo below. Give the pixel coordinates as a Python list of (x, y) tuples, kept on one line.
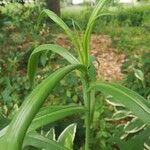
[(34, 57), (132, 93), (72, 35), (75, 24), (66, 138), (128, 98), (56, 19), (122, 114), (39, 141), (134, 125), (48, 117), (93, 17), (22, 120), (52, 108), (51, 134)]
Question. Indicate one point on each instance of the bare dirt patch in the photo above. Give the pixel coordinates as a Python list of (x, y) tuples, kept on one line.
[(108, 62)]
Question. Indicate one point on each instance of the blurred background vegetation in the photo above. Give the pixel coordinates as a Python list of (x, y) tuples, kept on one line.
[(127, 24)]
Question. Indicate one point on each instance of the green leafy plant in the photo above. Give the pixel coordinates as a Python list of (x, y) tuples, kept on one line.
[(130, 132), (31, 116), (66, 138), (137, 73)]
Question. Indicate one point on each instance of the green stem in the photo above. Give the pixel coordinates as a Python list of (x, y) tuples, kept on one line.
[(92, 106), (87, 117), (87, 134)]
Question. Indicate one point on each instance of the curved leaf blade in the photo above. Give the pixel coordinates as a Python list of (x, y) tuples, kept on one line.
[(34, 57), (56, 19), (66, 138), (39, 141), (132, 93), (22, 120), (51, 134), (128, 98), (74, 37), (50, 114), (93, 17), (49, 117)]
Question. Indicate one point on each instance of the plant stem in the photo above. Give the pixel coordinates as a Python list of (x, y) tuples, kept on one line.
[(87, 134), (87, 117), (92, 106)]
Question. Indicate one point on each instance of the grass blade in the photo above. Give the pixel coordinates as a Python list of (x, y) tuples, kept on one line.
[(93, 17)]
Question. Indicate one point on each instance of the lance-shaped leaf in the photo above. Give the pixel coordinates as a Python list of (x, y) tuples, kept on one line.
[(139, 74), (34, 57), (56, 19), (39, 141), (66, 138), (128, 98), (48, 116), (72, 35), (51, 134), (94, 15), (22, 120)]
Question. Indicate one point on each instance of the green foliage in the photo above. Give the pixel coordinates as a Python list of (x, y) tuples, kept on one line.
[(133, 133), (130, 131), (50, 114), (127, 98), (18, 25), (33, 61), (30, 116), (39, 141), (66, 138), (127, 26), (136, 69), (33, 103), (14, 86), (102, 130), (48, 140), (122, 16), (17, 14), (134, 16)]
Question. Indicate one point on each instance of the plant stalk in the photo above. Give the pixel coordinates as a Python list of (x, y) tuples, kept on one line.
[(87, 116), (87, 124)]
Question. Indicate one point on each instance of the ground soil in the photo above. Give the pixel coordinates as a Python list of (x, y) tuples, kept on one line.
[(108, 61)]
